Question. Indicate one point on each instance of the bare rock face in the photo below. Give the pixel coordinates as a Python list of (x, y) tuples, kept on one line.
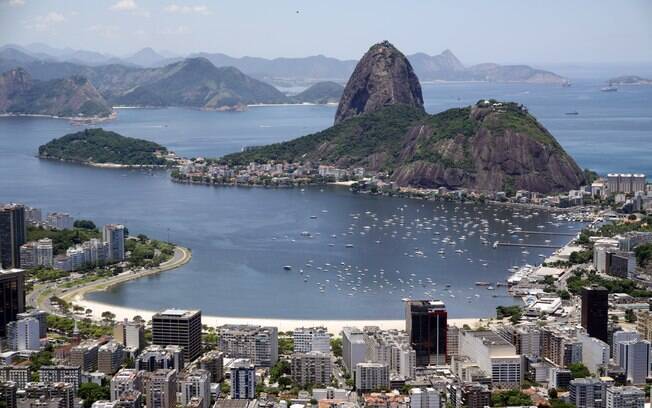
[(383, 77)]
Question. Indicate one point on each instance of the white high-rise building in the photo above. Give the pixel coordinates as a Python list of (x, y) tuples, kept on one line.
[(494, 355), (625, 397), (311, 339), (196, 384), (44, 252), (595, 352), (60, 221), (259, 344), (126, 380), (114, 236), (371, 377), (424, 398), (354, 348), (24, 335)]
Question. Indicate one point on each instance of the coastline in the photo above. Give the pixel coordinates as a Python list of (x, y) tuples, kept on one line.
[(74, 119), (332, 326), (77, 296), (181, 257), (106, 165)]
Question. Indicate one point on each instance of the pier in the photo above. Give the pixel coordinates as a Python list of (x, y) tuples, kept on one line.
[(498, 243), (566, 234)]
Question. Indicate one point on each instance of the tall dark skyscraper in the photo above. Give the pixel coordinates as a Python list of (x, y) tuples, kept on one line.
[(12, 297), (13, 234), (426, 324), (595, 310), (179, 328)]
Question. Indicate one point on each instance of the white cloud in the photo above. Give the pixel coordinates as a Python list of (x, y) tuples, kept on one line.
[(106, 31), (125, 5), (178, 30), (187, 9), (16, 3), (45, 22)]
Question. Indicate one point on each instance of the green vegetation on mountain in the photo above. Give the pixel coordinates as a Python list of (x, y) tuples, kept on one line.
[(488, 146), (198, 83), (65, 97), (350, 141), (320, 93), (92, 146)]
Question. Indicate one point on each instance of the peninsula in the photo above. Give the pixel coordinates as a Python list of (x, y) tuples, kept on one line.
[(101, 148), (382, 130)]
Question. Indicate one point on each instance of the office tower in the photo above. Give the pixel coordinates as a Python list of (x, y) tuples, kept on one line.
[(243, 379), (633, 356), (179, 328), (371, 376), (313, 367), (625, 397), (213, 362), (156, 357), (130, 334), (23, 335), (622, 336), (196, 384), (84, 355), (13, 234), (259, 344), (354, 348), (114, 235), (595, 309), (67, 374), (426, 325), (8, 393), (12, 297), (126, 380), (110, 357), (311, 339), (161, 389)]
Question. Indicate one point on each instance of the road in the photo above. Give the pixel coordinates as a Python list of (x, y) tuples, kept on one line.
[(39, 297)]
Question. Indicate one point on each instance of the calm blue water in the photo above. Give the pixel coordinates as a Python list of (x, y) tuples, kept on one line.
[(241, 238)]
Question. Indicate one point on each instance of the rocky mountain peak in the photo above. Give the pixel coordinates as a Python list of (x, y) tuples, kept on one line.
[(382, 77)]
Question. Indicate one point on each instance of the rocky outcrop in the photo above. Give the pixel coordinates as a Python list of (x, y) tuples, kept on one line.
[(383, 77), (382, 127), (67, 97)]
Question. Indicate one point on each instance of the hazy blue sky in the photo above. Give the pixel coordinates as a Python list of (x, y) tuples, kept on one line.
[(476, 31)]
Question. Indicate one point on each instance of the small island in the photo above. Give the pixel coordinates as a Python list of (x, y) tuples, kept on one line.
[(102, 148), (629, 80)]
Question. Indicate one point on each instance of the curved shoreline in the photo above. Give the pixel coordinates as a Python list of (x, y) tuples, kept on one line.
[(181, 257), (77, 296)]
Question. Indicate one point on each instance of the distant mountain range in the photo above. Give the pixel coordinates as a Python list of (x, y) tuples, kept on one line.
[(64, 97), (443, 67), (85, 83)]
